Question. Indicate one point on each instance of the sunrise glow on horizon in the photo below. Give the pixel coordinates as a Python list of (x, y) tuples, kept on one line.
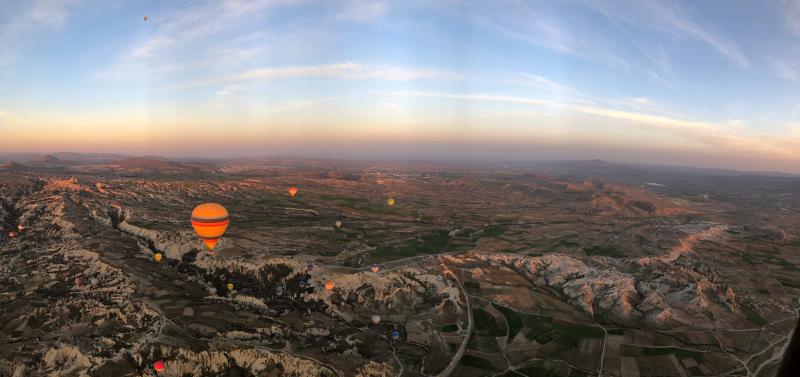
[(641, 81)]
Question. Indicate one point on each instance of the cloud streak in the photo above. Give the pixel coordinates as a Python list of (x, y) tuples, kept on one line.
[(710, 134), (345, 70), (667, 18)]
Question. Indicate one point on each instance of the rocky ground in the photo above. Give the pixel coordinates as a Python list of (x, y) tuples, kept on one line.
[(475, 268)]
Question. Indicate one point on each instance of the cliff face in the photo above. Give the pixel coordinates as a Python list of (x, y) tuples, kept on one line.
[(651, 294)]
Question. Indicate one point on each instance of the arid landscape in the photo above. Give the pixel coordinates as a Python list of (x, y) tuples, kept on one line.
[(578, 268)]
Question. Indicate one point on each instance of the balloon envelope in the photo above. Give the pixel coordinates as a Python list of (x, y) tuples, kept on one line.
[(375, 268), (329, 286), (210, 220), (293, 191), (338, 224), (158, 257), (230, 286), (395, 334), (390, 202), (376, 319), (158, 366)]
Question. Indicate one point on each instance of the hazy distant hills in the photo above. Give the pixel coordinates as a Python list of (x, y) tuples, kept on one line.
[(581, 169)]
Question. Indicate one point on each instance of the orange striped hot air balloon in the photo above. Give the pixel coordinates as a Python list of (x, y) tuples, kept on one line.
[(209, 221), (293, 191)]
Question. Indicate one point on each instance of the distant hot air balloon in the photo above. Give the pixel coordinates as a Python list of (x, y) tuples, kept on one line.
[(209, 221), (375, 268), (338, 224), (395, 334), (145, 18), (20, 227), (293, 191), (158, 366), (230, 286), (376, 319), (301, 283), (390, 202), (12, 234), (158, 257), (78, 281), (329, 286)]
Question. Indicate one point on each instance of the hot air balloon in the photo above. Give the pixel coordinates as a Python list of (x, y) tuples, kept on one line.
[(209, 221), (20, 227), (375, 268), (395, 334), (329, 286), (390, 202), (158, 366), (158, 257), (376, 319), (145, 18), (78, 281), (230, 286), (301, 283), (12, 234), (293, 191), (338, 224)]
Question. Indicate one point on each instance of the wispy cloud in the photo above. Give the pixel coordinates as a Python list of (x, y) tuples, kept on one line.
[(362, 10), (708, 133), (547, 83), (668, 18), (391, 105), (790, 9), (346, 70), (30, 18), (786, 70)]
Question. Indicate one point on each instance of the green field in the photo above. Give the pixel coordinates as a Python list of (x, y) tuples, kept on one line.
[(512, 318), (606, 251), (430, 243)]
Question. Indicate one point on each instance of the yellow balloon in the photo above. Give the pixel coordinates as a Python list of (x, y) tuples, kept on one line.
[(390, 202), (230, 286), (158, 257)]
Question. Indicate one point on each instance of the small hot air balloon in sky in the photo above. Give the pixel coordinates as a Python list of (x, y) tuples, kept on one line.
[(338, 224), (230, 286), (20, 227), (158, 365), (158, 257), (209, 221), (375, 268), (12, 234), (145, 18), (329, 286), (390, 202), (293, 191), (395, 334), (376, 319)]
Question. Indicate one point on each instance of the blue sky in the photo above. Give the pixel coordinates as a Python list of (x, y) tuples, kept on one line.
[(699, 83)]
